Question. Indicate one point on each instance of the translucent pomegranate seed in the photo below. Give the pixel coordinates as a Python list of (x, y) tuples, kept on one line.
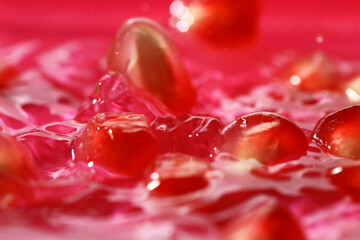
[(338, 133), (144, 52), (267, 137), (7, 72), (15, 159), (352, 90), (219, 22), (120, 143), (347, 179), (312, 73), (176, 174), (266, 223), (190, 134)]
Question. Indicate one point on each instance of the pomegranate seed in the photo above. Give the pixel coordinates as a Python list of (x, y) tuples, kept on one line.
[(120, 143), (267, 137), (16, 169), (352, 90), (176, 174), (221, 23), (190, 134), (15, 159), (14, 192), (144, 52), (338, 133), (313, 73), (347, 179), (7, 72), (266, 223)]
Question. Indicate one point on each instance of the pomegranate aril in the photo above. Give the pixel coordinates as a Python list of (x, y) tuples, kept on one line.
[(347, 180), (352, 89), (267, 137), (17, 170), (146, 54), (312, 73), (227, 23), (176, 174), (338, 133), (15, 159), (197, 135), (119, 143), (14, 192), (265, 223)]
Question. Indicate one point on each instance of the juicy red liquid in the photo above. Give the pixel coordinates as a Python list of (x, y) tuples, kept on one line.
[(191, 134), (57, 80)]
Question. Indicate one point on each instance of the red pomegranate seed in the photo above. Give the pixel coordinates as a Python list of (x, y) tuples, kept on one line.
[(16, 160), (352, 89), (14, 192), (176, 174), (120, 143), (17, 169), (313, 73), (266, 223), (219, 22), (144, 52), (7, 72), (338, 133), (347, 180), (267, 137), (191, 134)]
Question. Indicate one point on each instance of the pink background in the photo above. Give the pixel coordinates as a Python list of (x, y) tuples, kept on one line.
[(283, 25)]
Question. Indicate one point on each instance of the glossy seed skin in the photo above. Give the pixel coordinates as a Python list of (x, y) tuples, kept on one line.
[(338, 133), (266, 137), (146, 54), (119, 143)]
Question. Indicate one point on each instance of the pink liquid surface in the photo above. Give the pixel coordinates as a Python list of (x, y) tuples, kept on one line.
[(61, 59)]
